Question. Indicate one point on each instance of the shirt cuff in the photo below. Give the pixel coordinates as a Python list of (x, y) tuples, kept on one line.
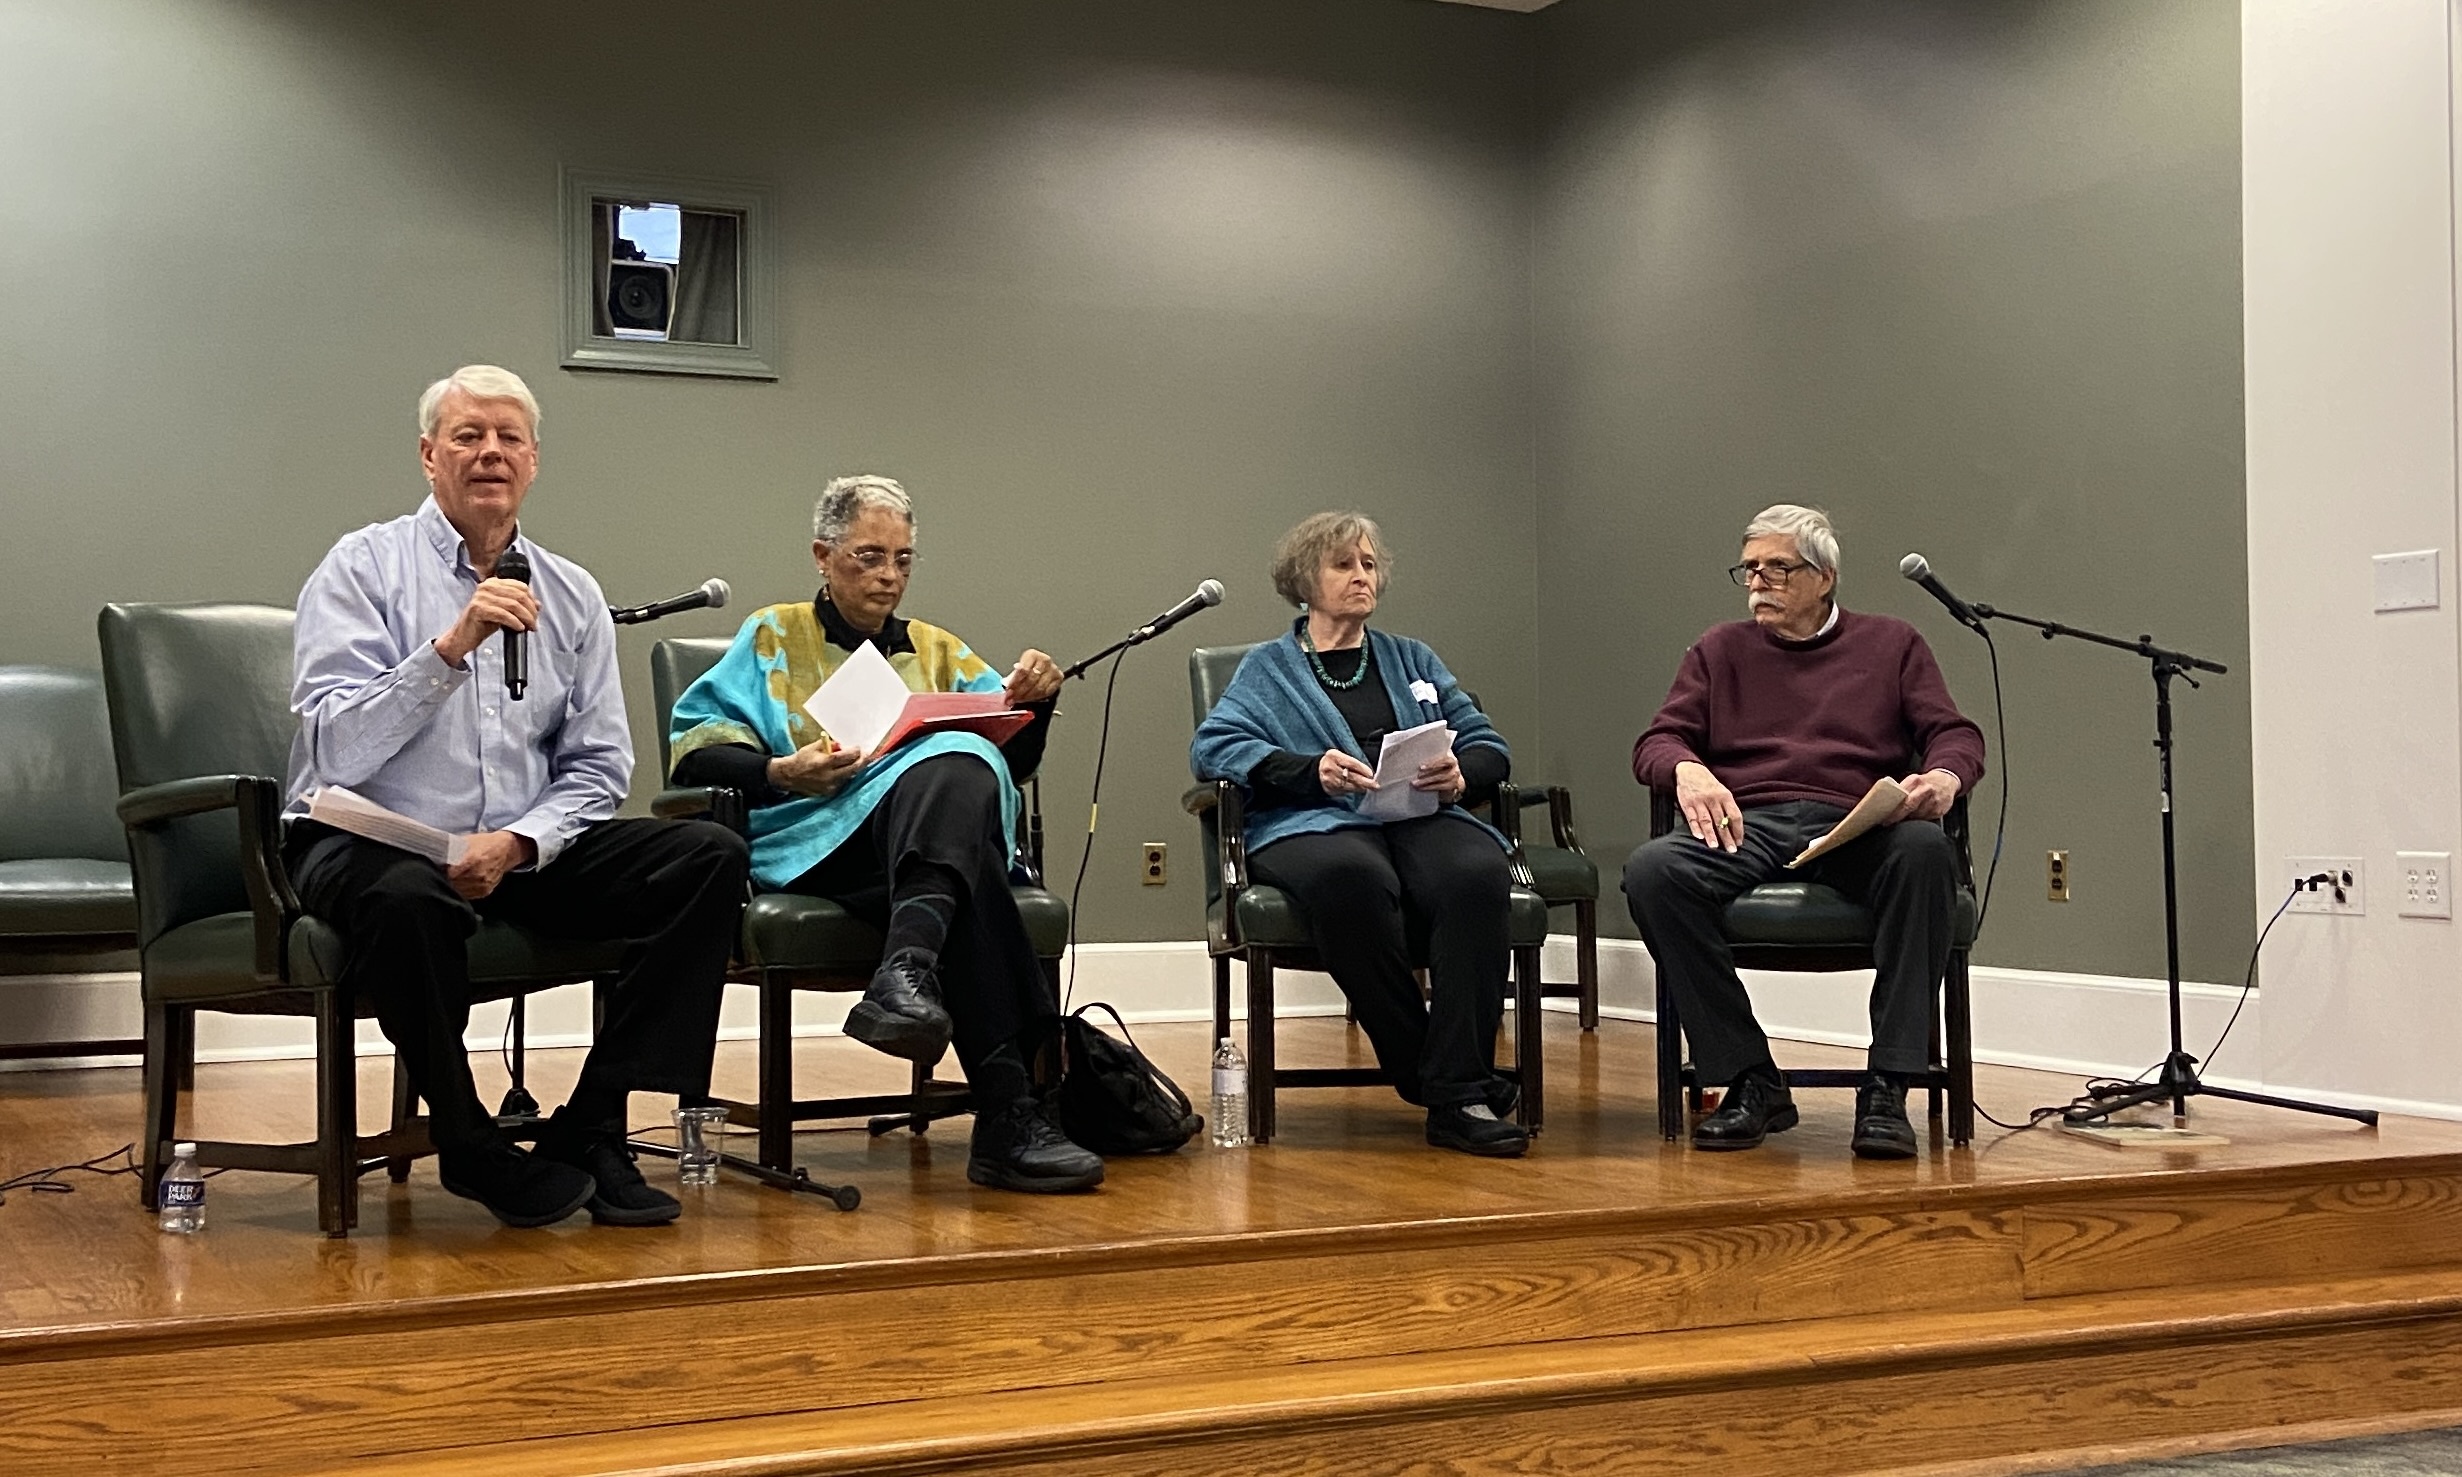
[(429, 675), (545, 833)]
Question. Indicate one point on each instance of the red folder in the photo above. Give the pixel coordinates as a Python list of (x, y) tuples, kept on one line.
[(927, 713)]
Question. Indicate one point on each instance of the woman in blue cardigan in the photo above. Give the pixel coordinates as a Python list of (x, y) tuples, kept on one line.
[(1298, 729)]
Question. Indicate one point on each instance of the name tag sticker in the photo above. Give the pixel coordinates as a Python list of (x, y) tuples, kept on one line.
[(1424, 691)]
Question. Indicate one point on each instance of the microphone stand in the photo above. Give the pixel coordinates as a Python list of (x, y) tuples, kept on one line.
[(2178, 1078), (1138, 637)]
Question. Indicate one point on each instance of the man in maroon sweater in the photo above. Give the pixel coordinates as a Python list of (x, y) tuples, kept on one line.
[(1774, 728)]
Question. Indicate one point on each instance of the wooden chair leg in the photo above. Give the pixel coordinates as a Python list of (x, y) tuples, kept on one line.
[(1529, 1047), (1222, 998), (184, 1047), (162, 1100), (1671, 1090), (337, 1115), (405, 1108), (1260, 1046), (777, 1072), (1932, 1053), (1961, 1014), (1586, 960)]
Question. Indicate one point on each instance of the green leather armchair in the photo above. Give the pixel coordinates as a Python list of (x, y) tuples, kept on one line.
[(791, 942), (1806, 926), (66, 902), (1563, 875), (1261, 927), (201, 727)]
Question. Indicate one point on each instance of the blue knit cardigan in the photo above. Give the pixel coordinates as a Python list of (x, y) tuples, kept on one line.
[(1275, 702)]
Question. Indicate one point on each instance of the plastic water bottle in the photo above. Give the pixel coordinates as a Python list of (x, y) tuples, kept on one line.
[(182, 1194), (1230, 1127)]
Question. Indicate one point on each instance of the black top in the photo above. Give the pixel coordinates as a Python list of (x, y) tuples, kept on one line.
[(743, 767), (1288, 777)]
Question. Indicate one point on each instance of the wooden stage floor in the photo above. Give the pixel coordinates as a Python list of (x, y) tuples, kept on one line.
[(1612, 1302)]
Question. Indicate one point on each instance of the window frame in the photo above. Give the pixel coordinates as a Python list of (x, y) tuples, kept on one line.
[(756, 265)]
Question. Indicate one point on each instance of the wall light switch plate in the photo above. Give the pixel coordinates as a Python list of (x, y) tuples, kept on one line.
[(2407, 581), (2427, 883), (2347, 874)]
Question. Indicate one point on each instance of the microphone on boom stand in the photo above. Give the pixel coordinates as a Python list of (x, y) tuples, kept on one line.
[(713, 595), (1207, 594)]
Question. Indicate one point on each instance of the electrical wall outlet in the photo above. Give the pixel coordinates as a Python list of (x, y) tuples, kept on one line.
[(1157, 868), (2345, 891), (2056, 875), (2426, 883)]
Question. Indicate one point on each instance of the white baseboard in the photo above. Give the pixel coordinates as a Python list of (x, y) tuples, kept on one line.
[(2077, 1025)]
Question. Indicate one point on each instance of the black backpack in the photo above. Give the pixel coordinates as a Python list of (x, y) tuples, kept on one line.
[(1109, 1098)]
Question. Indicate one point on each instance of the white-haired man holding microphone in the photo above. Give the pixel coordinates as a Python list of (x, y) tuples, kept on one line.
[(399, 682), (1774, 728)]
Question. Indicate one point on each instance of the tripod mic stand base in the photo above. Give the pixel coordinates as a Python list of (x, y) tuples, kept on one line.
[(2178, 1081)]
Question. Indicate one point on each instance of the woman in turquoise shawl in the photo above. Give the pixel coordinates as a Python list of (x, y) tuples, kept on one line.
[(1298, 729), (918, 840)]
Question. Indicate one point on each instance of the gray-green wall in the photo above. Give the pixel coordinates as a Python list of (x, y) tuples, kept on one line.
[(1968, 276), (1120, 290)]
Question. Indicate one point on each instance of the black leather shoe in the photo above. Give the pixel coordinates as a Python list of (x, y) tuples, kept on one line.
[(1881, 1129), (1755, 1106), (1019, 1148), (1456, 1127), (901, 1012), (623, 1197), (520, 1189)]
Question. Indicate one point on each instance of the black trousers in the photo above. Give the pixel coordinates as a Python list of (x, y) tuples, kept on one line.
[(1907, 874), (673, 891), (946, 810), (1376, 898)]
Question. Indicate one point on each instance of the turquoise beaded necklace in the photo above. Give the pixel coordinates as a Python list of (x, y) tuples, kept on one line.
[(1308, 644)]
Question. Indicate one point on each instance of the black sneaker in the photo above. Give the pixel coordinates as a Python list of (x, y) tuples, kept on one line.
[(1756, 1105), (520, 1189), (622, 1196), (1019, 1148), (1881, 1129), (1473, 1129), (901, 1013)]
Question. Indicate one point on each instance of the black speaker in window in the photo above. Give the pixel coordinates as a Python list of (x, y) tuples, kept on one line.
[(640, 297)]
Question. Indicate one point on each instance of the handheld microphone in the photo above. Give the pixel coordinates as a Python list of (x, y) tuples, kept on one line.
[(713, 595), (514, 565), (1919, 569), (1209, 593)]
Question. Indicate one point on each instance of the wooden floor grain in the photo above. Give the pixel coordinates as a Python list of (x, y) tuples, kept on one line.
[(1347, 1161), (1344, 1300)]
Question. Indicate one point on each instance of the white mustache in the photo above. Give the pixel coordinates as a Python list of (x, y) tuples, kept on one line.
[(1766, 602)]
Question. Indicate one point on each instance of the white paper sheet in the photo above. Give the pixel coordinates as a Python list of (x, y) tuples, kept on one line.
[(1397, 764), (346, 810), (860, 700)]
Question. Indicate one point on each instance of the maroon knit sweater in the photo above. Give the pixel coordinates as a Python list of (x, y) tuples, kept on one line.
[(1809, 720)]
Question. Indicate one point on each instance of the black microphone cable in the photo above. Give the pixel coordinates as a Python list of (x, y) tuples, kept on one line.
[(2000, 828), (1094, 811)]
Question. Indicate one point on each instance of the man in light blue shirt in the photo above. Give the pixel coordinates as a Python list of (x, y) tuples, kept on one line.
[(399, 681)]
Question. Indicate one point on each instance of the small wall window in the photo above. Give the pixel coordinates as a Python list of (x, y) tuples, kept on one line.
[(668, 276)]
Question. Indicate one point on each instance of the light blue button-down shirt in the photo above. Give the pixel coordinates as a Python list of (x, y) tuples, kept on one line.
[(382, 714)]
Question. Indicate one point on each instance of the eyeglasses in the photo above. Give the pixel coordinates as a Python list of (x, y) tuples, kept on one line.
[(870, 561), (1774, 574)]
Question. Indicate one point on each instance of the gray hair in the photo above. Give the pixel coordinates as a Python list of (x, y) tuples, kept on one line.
[(480, 382), (1301, 553), (845, 498), (1814, 538)]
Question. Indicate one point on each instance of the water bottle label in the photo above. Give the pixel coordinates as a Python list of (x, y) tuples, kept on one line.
[(180, 1194), (1230, 1082)]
